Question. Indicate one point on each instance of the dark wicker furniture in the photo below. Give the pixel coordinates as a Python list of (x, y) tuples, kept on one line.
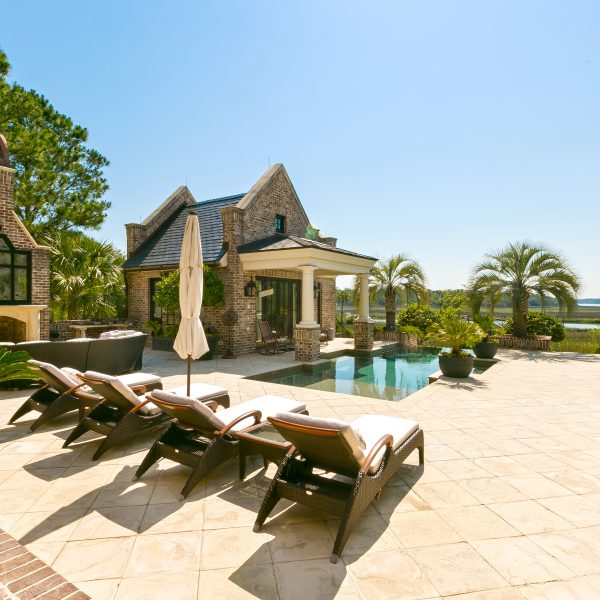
[(273, 342), (262, 439), (120, 414), (64, 392), (111, 355), (337, 447), (202, 439)]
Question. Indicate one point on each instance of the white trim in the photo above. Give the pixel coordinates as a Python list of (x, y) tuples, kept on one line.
[(328, 263)]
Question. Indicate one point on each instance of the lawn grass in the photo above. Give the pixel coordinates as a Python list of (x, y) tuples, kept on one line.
[(579, 341)]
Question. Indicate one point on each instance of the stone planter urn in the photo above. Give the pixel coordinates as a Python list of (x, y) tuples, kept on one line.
[(485, 349), (163, 344), (456, 366)]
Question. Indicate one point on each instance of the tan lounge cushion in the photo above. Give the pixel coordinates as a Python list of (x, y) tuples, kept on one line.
[(125, 391), (351, 436), (374, 427)]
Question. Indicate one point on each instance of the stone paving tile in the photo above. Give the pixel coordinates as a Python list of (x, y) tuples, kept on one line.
[(507, 500)]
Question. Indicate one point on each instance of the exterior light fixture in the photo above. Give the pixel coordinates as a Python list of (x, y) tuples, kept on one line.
[(317, 290), (250, 289)]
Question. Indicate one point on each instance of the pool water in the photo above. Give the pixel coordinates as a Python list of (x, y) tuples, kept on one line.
[(390, 376)]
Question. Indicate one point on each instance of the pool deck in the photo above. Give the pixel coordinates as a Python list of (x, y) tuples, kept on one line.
[(507, 506)]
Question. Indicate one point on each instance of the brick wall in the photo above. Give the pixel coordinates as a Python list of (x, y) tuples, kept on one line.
[(276, 197), (12, 227)]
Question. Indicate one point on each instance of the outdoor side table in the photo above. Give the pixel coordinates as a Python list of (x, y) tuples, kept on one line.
[(261, 439)]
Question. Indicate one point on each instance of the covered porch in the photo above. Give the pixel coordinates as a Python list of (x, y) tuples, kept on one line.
[(312, 260)]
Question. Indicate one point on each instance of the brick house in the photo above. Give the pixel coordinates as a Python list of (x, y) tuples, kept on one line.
[(275, 266), (24, 268)]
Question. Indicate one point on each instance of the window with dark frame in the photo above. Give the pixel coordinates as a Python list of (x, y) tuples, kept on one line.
[(279, 224), (15, 273)]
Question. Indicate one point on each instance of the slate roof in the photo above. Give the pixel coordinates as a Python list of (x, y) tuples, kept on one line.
[(288, 242), (162, 249)]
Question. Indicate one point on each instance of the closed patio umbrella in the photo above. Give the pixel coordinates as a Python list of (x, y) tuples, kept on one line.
[(190, 342)]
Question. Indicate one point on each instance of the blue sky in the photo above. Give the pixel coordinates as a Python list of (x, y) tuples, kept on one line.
[(441, 129)]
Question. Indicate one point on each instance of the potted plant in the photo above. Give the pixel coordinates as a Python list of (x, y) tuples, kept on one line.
[(15, 371), (454, 333), (167, 298), (488, 346)]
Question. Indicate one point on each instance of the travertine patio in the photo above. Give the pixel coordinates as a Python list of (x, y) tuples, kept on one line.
[(508, 505)]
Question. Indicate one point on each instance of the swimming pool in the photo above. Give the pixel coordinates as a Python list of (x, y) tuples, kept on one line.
[(390, 376)]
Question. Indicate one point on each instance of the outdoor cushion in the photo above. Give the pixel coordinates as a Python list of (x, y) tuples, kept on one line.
[(139, 379), (67, 378), (199, 391), (373, 427), (269, 406), (351, 436), (116, 333), (193, 403), (125, 391), (79, 340)]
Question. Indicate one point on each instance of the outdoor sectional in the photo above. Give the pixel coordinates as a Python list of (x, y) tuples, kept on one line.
[(110, 355)]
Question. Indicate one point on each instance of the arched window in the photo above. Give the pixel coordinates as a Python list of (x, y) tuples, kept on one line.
[(15, 274)]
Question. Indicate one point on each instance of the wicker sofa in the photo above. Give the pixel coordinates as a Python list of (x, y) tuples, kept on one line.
[(111, 354)]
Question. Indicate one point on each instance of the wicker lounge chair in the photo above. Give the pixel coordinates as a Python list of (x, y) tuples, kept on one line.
[(64, 392), (366, 453), (272, 341), (122, 414), (203, 439)]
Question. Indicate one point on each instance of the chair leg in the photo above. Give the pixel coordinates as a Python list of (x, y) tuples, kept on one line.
[(341, 538), (216, 453), (123, 430), (63, 404), (153, 456), (269, 502), (22, 410), (76, 433)]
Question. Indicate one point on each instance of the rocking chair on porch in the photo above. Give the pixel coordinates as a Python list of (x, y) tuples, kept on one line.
[(272, 341)]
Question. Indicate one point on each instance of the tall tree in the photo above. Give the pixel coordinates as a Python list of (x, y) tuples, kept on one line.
[(59, 180), (520, 270), (393, 276), (86, 277)]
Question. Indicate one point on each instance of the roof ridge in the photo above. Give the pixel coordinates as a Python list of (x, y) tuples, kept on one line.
[(220, 199)]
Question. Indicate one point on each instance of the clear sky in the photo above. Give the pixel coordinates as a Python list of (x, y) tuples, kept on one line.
[(441, 129)]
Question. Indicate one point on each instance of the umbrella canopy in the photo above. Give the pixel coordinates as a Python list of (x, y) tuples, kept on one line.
[(191, 342)]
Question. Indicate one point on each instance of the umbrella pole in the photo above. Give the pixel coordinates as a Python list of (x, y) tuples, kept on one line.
[(189, 373)]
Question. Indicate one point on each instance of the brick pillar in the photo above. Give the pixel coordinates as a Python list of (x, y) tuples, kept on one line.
[(363, 334), (307, 343), (243, 333)]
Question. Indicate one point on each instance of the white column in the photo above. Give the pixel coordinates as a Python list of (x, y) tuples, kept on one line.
[(363, 305), (308, 296)]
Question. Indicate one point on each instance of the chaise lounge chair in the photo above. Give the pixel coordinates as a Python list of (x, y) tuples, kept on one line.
[(366, 452), (122, 414), (64, 392), (201, 438), (272, 341)]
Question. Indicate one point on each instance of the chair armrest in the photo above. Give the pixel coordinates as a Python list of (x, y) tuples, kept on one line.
[(74, 388), (136, 408), (253, 413), (142, 389), (386, 440), (212, 404)]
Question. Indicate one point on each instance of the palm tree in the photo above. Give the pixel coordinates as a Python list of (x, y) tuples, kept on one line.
[(516, 272), (393, 276), (86, 280)]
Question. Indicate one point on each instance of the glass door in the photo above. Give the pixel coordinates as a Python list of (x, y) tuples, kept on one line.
[(278, 303)]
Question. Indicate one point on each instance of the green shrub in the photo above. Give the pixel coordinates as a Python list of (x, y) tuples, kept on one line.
[(418, 315), (540, 324), (167, 290), (410, 329)]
